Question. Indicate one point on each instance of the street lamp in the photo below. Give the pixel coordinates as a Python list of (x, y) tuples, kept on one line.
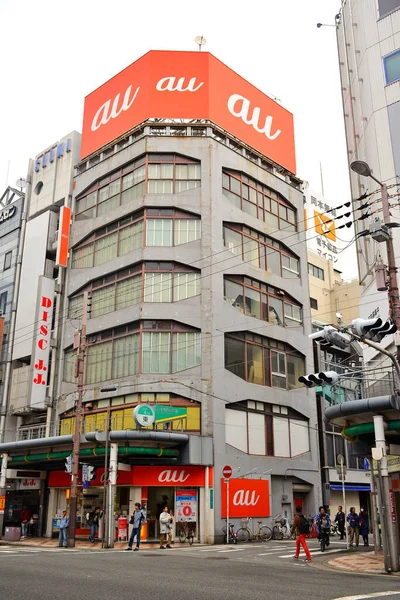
[(362, 168)]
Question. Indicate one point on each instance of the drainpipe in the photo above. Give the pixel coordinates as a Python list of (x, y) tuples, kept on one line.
[(206, 507), (6, 388)]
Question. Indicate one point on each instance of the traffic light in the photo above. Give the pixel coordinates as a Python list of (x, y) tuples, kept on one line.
[(373, 329), (330, 335), (68, 464), (322, 378), (91, 472)]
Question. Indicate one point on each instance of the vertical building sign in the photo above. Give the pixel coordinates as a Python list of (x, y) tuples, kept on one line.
[(41, 342), (63, 236)]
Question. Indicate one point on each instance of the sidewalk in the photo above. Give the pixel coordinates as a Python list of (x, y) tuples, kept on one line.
[(365, 562), (80, 544)]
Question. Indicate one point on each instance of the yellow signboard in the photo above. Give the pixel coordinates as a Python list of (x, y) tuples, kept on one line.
[(325, 225)]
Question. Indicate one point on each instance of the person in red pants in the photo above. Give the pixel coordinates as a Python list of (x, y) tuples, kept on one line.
[(302, 527)]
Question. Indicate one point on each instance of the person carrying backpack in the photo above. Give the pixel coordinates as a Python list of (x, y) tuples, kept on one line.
[(302, 527), (138, 518)]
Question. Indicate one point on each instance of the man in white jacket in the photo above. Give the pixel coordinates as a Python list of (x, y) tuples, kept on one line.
[(165, 528)]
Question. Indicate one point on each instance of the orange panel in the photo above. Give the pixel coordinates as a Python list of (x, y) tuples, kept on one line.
[(187, 85), (63, 236), (325, 225), (247, 498)]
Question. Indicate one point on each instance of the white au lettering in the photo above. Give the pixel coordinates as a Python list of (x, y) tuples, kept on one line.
[(104, 114), (242, 112), (243, 498), (7, 213), (167, 84), (169, 476)]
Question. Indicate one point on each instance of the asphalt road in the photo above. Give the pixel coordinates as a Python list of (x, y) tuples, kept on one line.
[(175, 574)]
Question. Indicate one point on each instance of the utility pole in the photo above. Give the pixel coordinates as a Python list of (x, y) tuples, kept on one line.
[(80, 345), (393, 288)]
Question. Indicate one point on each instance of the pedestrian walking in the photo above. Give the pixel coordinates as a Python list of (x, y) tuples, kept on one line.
[(363, 523), (353, 521), (340, 519), (25, 518), (93, 520), (137, 519), (165, 528), (318, 522), (302, 527), (62, 536)]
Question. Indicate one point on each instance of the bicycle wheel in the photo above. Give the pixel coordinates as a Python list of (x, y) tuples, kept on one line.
[(323, 543), (265, 533), (182, 536), (286, 532), (277, 533), (190, 537), (243, 535)]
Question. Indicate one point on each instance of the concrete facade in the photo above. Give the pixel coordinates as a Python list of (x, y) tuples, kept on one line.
[(210, 383), (368, 32)]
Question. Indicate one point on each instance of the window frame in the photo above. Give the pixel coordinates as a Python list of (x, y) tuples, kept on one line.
[(266, 292), (145, 161), (315, 271), (385, 59), (263, 199), (3, 303), (7, 260)]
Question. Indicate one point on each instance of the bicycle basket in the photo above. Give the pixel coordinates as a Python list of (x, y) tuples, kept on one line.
[(245, 520)]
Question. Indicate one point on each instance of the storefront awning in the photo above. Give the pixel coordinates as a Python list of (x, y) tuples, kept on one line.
[(350, 488)]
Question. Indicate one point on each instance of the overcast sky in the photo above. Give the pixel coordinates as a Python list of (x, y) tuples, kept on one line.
[(54, 53)]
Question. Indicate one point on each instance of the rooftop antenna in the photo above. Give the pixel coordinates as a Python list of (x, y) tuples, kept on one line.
[(200, 41)]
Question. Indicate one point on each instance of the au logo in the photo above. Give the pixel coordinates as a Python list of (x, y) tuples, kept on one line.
[(325, 225)]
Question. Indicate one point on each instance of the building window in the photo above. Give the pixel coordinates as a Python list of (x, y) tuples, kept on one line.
[(266, 430), (139, 347), (392, 67), (316, 271), (152, 174), (7, 260), (387, 6), (263, 361), (185, 416), (258, 200), (314, 303), (261, 251), (262, 301), (149, 227), (3, 304), (145, 282)]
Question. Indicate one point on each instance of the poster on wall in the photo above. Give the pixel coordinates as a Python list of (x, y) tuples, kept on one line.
[(186, 505)]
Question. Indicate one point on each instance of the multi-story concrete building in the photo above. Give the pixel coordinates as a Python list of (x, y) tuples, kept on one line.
[(368, 33), (188, 236)]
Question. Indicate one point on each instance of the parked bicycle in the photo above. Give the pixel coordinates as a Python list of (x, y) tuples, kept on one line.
[(335, 529), (281, 529), (233, 538), (186, 532), (246, 534)]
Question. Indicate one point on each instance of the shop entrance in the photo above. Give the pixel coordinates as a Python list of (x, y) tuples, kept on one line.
[(158, 497), (183, 503), (16, 501)]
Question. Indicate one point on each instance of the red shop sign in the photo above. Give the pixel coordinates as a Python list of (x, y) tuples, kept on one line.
[(62, 479), (247, 498), (171, 476)]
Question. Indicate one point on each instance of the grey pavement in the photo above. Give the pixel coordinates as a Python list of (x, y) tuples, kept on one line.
[(220, 574)]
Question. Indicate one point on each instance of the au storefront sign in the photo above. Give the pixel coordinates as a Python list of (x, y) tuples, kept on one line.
[(170, 476), (247, 498), (187, 85)]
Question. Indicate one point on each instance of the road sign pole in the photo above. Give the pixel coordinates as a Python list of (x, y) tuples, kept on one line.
[(344, 504), (227, 511)]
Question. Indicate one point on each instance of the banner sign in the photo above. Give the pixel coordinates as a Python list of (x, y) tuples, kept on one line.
[(63, 236), (247, 498), (186, 505), (187, 85)]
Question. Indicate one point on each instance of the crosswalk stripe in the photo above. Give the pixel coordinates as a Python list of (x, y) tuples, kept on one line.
[(313, 553), (232, 550)]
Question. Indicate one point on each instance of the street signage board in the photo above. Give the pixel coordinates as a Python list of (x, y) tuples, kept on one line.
[(366, 464), (144, 415), (227, 471)]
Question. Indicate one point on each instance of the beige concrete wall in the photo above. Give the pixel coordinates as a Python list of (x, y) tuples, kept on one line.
[(332, 293)]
